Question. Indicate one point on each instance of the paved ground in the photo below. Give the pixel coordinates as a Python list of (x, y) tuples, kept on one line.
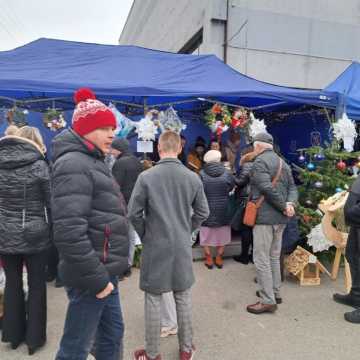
[(308, 326)]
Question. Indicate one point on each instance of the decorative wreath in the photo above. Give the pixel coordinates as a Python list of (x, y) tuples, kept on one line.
[(219, 118), (54, 120)]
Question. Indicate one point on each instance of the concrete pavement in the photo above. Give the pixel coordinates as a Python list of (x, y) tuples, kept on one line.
[(307, 326)]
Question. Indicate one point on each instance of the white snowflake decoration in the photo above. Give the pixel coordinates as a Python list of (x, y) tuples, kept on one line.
[(146, 129), (317, 239), (256, 126), (169, 120), (345, 129)]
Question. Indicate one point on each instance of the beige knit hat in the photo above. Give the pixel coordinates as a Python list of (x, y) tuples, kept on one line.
[(212, 156)]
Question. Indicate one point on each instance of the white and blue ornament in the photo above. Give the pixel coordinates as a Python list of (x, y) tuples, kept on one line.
[(319, 157), (301, 159), (339, 190), (318, 184), (311, 166), (124, 125)]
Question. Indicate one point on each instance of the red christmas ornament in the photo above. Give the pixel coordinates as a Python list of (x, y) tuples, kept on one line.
[(235, 123), (341, 166)]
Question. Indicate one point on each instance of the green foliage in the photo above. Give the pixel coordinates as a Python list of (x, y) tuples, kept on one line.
[(137, 256), (331, 178)]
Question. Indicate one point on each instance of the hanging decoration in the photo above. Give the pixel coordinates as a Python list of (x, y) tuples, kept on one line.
[(315, 138), (170, 120), (341, 165), (240, 118), (317, 240), (218, 118), (256, 126), (318, 184), (345, 129), (302, 158), (319, 157), (17, 116), (124, 124), (311, 166), (54, 120), (146, 127)]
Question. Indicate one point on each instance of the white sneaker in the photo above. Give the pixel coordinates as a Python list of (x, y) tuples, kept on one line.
[(165, 332)]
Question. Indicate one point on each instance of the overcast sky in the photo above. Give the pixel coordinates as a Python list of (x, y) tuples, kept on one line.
[(22, 21)]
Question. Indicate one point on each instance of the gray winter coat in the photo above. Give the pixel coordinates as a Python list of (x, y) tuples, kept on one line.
[(264, 170), (168, 203)]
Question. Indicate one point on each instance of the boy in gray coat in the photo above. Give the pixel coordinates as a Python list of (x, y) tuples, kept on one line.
[(168, 203)]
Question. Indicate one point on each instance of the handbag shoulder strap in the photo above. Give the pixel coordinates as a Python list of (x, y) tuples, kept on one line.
[(278, 174), (273, 182)]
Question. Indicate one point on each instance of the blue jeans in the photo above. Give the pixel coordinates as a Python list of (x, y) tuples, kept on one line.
[(92, 322)]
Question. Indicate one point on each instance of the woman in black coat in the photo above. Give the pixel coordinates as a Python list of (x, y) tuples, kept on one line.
[(242, 182), (215, 231), (24, 236)]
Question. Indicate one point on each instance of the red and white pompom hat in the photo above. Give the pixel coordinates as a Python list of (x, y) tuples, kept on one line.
[(90, 114)]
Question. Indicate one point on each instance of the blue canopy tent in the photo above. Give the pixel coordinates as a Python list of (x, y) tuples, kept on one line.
[(347, 88), (46, 72), (48, 69)]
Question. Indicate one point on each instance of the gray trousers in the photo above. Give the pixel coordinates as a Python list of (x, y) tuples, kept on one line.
[(168, 311), (267, 250), (153, 322)]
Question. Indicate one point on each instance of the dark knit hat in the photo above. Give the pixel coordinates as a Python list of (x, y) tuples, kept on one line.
[(90, 114), (120, 145), (264, 137)]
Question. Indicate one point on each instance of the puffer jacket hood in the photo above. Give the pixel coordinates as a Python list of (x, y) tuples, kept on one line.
[(68, 141), (16, 152), (214, 169)]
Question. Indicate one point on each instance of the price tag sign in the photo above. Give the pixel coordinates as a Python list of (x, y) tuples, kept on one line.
[(145, 146)]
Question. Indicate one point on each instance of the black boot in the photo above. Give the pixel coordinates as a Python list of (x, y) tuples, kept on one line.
[(348, 299), (353, 316), (243, 258)]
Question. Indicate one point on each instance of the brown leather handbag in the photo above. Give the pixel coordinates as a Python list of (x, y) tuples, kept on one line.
[(252, 207)]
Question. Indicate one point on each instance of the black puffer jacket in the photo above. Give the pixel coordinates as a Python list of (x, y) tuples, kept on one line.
[(89, 215), (243, 181), (126, 170), (218, 182), (352, 205), (24, 197)]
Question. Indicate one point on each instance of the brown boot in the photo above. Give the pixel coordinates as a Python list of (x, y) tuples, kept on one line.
[(260, 308), (209, 263), (219, 262)]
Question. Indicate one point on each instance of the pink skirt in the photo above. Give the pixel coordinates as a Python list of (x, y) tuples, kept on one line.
[(217, 236)]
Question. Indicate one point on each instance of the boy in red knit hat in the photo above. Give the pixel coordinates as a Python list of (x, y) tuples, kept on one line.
[(90, 232)]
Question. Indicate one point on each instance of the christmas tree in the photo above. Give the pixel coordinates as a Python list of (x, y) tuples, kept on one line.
[(322, 173)]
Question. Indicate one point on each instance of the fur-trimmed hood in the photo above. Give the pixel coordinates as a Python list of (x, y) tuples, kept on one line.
[(17, 152)]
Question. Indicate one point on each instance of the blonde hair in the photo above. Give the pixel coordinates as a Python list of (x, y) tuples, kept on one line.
[(33, 134), (170, 142), (11, 130)]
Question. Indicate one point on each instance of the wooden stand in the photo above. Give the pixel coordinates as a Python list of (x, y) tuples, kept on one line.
[(336, 266), (338, 238), (300, 264)]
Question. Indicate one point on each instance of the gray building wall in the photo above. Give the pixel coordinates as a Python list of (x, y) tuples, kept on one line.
[(302, 43)]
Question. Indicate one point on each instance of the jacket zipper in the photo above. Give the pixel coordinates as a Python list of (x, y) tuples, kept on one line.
[(107, 246)]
